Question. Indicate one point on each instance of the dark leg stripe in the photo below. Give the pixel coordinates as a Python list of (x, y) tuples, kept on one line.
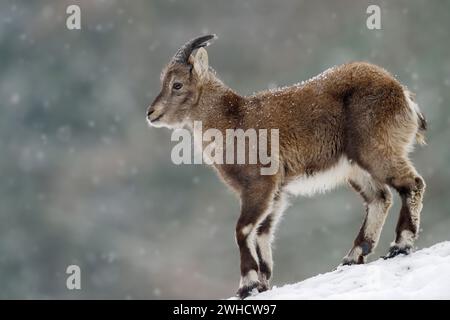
[(263, 267)]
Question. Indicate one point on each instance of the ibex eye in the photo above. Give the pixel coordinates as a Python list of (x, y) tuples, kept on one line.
[(177, 85)]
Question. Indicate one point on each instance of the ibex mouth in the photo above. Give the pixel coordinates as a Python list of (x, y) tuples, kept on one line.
[(155, 119)]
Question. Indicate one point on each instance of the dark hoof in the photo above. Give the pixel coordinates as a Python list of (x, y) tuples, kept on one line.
[(263, 282), (263, 287), (349, 262), (249, 290), (395, 251)]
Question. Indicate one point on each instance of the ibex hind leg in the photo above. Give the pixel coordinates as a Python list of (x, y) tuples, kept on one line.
[(411, 187), (377, 200), (387, 162)]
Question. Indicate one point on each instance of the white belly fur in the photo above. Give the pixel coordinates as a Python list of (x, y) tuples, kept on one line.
[(322, 181)]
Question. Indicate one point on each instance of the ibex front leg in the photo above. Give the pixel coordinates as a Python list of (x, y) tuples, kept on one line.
[(264, 238), (256, 202)]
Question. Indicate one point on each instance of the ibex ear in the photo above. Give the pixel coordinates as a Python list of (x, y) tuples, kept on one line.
[(199, 60)]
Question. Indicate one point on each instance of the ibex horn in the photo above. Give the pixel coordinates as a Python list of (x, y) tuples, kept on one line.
[(185, 51)]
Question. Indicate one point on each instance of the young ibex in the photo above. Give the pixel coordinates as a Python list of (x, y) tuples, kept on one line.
[(354, 123)]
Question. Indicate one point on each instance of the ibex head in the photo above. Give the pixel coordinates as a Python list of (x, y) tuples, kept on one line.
[(181, 82)]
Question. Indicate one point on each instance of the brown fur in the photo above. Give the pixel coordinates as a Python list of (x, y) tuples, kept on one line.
[(356, 110)]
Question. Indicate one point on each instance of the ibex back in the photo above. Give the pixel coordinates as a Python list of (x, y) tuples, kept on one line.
[(353, 124)]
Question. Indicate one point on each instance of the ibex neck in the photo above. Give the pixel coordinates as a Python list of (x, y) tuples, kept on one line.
[(218, 105)]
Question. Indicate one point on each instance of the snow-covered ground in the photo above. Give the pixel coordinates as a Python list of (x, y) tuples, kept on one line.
[(425, 274)]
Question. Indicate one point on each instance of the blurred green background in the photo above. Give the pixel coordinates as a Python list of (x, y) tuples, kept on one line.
[(85, 181)]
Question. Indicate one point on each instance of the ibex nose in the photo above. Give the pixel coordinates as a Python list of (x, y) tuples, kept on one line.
[(150, 111)]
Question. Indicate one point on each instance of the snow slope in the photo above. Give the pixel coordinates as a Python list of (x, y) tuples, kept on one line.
[(424, 274)]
